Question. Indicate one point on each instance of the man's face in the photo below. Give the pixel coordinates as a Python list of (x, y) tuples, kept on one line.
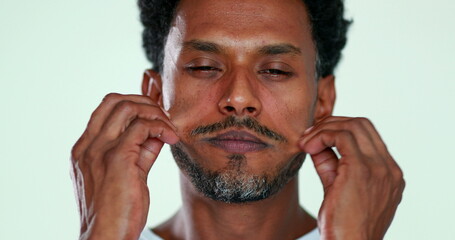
[(239, 84)]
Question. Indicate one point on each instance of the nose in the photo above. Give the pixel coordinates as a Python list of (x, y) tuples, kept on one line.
[(240, 98)]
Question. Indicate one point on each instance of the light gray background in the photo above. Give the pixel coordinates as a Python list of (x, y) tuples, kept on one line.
[(58, 58)]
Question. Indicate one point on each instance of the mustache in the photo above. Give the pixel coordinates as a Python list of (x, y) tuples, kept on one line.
[(246, 122)]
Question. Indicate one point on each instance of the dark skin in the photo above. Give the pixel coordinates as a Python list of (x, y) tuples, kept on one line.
[(242, 58)]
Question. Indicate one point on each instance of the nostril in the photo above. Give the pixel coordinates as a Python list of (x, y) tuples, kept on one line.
[(251, 109), (230, 108)]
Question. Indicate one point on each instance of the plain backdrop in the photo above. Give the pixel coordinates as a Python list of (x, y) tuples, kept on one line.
[(58, 58)]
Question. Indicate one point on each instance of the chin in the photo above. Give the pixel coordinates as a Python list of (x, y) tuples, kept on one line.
[(236, 182)]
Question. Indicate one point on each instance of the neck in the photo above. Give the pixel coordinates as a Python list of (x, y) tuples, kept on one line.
[(277, 217)]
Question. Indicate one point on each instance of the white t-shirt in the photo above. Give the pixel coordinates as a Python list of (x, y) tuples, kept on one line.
[(149, 235)]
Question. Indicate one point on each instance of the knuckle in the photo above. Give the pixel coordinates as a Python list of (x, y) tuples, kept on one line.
[(126, 106), (140, 123), (354, 125), (78, 148), (91, 155), (403, 184), (398, 174), (366, 122), (356, 122), (111, 97), (361, 119), (346, 135), (92, 121), (75, 153)]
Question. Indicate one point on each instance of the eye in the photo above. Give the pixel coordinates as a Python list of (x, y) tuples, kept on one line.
[(275, 74), (203, 68), (203, 71), (275, 71)]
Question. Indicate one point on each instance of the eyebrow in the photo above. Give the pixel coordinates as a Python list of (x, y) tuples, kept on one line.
[(211, 47), (277, 49), (203, 46)]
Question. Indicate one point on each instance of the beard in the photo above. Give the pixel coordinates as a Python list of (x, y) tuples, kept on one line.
[(234, 184)]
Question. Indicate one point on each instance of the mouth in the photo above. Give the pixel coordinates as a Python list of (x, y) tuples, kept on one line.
[(237, 142)]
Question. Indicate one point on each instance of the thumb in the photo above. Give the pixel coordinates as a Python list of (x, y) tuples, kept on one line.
[(149, 152), (326, 164)]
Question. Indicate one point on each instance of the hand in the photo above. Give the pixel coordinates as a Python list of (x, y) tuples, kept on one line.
[(362, 188), (110, 164)]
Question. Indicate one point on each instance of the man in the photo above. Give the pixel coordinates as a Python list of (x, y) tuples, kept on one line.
[(241, 90)]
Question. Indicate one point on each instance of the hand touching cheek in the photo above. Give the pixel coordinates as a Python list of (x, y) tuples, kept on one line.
[(110, 164), (363, 187)]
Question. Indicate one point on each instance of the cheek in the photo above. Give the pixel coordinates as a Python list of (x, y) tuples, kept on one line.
[(292, 112), (191, 108)]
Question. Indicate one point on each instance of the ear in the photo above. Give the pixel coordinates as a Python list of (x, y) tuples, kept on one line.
[(151, 86), (326, 98)]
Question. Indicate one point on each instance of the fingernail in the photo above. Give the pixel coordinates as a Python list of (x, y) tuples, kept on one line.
[(308, 130)]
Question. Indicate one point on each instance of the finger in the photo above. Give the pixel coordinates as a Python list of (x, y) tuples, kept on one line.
[(369, 127), (333, 119), (125, 112), (327, 119), (150, 150), (144, 139), (326, 164), (374, 134), (343, 140), (99, 116), (109, 102), (360, 132)]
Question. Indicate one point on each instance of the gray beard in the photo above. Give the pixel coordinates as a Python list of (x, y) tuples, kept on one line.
[(233, 184)]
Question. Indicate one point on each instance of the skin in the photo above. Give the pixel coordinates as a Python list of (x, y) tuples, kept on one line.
[(229, 40)]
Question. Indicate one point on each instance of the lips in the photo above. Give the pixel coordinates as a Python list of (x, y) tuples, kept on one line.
[(237, 142)]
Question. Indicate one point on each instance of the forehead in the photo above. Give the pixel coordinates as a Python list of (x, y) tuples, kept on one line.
[(245, 23)]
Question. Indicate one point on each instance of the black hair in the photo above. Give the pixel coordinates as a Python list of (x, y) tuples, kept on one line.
[(328, 25)]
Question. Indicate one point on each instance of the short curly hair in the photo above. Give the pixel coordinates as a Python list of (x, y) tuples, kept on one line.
[(329, 29)]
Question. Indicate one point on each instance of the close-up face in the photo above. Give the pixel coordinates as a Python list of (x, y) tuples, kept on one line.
[(239, 83)]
